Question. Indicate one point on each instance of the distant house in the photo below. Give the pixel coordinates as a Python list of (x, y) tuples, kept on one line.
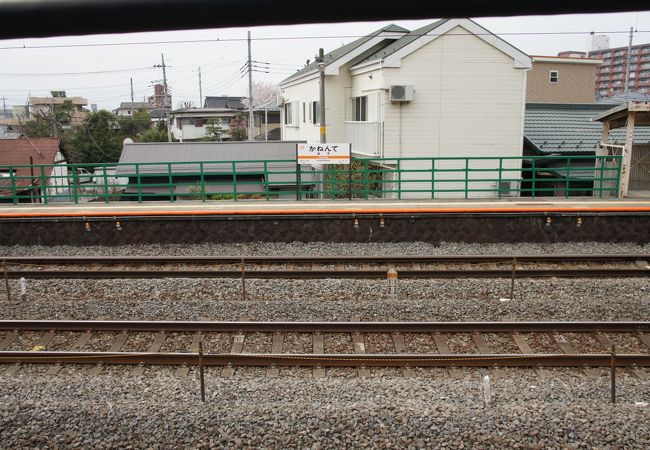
[(267, 122), (205, 169), (565, 130), (448, 89), (566, 78), (225, 102), (46, 105), (16, 177), (217, 114), (127, 108), (9, 128)]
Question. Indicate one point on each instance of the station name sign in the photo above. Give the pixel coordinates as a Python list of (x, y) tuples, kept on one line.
[(323, 153)]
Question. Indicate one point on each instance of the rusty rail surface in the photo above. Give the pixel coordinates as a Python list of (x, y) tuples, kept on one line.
[(327, 327), (542, 258)]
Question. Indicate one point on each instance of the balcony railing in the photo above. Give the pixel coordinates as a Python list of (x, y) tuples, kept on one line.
[(365, 137)]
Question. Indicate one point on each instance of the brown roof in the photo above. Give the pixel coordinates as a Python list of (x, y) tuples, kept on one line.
[(15, 152)]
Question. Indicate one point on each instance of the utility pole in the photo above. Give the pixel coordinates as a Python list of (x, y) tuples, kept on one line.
[(54, 133), (321, 69), (169, 128), (200, 90), (250, 90), (131, 97), (627, 64)]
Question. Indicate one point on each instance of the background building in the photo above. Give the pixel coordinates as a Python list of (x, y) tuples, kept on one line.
[(566, 78), (610, 78)]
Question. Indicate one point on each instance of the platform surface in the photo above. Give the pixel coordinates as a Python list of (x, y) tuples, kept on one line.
[(248, 207)]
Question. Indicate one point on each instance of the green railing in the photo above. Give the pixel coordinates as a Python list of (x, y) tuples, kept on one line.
[(364, 178)]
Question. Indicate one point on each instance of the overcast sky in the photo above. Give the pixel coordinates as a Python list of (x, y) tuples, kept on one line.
[(25, 70)]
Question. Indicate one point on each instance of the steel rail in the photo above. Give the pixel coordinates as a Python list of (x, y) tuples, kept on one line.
[(329, 360), (326, 327), (70, 260), (319, 274)]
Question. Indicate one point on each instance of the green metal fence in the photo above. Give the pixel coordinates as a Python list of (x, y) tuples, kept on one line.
[(364, 178)]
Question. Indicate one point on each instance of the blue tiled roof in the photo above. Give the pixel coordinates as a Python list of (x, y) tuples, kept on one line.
[(567, 128)]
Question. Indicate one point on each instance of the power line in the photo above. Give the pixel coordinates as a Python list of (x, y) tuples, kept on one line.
[(97, 72), (279, 38)]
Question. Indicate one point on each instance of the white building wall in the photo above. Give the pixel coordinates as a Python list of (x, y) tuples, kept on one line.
[(301, 95), (469, 101)]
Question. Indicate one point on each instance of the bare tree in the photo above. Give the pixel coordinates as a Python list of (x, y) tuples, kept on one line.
[(186, 104)]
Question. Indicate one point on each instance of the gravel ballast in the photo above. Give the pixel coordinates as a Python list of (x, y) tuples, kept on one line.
[(76, 409)]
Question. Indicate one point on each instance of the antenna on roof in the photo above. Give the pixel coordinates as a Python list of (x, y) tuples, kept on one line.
[(32, 144)]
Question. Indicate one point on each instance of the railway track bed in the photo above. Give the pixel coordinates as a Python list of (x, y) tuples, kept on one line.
[(318, 345), (358, 267)]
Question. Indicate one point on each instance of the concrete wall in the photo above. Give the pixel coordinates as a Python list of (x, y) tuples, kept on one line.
[(575, 83)]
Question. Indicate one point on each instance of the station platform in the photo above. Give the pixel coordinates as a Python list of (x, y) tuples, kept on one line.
[(187, 222), (327, 207)]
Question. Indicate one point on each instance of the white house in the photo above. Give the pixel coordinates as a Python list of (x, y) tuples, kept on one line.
[(464, 90)]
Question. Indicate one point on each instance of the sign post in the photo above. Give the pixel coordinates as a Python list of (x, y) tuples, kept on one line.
[(317, 153)]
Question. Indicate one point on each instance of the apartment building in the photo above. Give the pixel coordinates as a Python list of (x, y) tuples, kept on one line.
[(610, 78)]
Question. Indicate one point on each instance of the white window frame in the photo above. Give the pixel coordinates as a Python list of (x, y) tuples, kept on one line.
[(315, 115), (288, 114), (360, 108), (550, 76)]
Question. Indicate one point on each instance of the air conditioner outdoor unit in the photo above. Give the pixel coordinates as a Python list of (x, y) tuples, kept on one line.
[(401, 93), (279, 100)]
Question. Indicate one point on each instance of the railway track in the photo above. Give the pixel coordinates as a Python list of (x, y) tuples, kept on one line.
[(274, 267), (318, 345)]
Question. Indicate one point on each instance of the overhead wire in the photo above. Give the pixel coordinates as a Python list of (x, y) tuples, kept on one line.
[(276, 38)]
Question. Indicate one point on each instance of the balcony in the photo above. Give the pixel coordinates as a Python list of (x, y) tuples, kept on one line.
[(365, 137)]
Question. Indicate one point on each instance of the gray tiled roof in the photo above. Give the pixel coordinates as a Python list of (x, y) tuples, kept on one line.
[(224, 102), (567, 128), (342, 51), (405, 40), (623, 98)]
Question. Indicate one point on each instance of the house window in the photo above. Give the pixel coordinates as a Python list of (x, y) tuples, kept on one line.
[(360, 109), (288, 114), (553, 76), (304, 112), (6, 173), (315, 112)]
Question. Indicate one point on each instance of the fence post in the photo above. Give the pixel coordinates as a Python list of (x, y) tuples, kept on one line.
[(533, 179), (399, 179), (106, 196), (234, 180), (266, 179), (75, 184), (170, 181), (299, 182), (43, 185), (139, 181), (500, 176), (466, 177), (202, 171), (433, 178), (350, 179), (12, 180), (568, 177)]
